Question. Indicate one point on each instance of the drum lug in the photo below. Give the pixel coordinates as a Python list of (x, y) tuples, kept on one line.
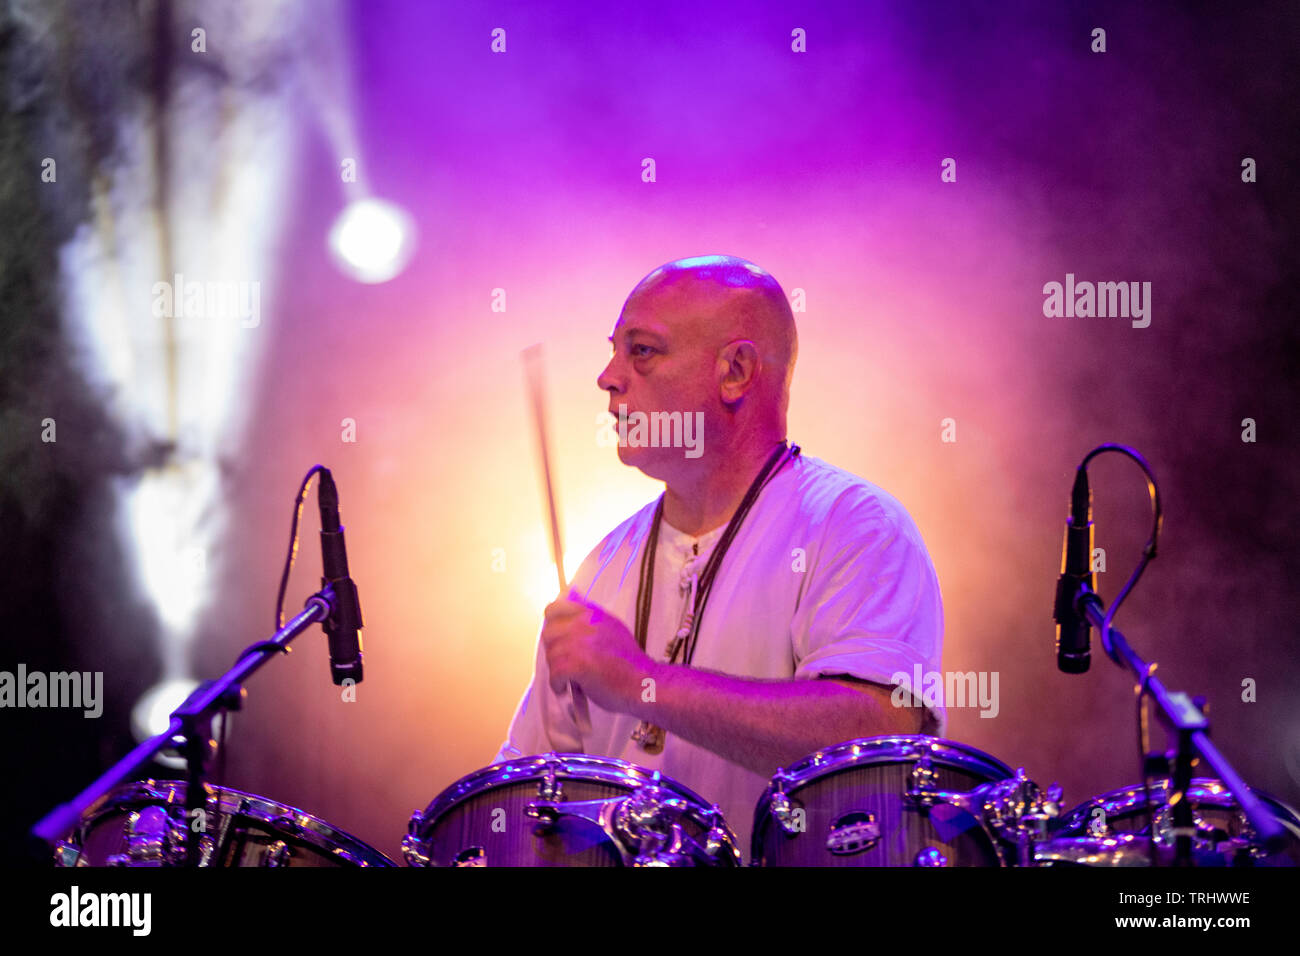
[(788, 817), (924, 790), (717, 841), (411, 843), (550, 788), (781, 808)]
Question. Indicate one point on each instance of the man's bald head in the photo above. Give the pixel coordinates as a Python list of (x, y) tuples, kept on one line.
[(714, 300), (712, 341)]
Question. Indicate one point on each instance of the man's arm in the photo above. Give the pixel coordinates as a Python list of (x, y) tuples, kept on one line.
[(765, 724), (758, 724)]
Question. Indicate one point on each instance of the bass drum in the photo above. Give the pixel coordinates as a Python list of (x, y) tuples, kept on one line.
[(568, 810), (145, 824), (880, 801), (1113, 830)]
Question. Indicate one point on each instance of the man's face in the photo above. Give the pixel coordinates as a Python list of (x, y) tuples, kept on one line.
[(662, 362)]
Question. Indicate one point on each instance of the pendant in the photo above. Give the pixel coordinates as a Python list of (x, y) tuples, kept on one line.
[(649, 737)]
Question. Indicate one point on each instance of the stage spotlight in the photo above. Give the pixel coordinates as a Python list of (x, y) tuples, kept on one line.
[(151, 715), (152, 711), (372, 240)]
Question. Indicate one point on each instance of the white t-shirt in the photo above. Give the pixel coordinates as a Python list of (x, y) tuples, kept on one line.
[(827, 576)]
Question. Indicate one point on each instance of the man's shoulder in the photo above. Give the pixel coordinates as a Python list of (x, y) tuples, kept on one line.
[(824, 491)]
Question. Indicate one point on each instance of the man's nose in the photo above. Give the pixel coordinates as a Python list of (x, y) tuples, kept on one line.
[(611, 380)]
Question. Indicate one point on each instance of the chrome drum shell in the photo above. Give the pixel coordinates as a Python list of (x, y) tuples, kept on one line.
[(849, 805), (563, 809), (1112, 830), (145, 824)]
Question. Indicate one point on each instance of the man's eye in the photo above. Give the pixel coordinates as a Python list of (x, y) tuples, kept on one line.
[(641, 351)]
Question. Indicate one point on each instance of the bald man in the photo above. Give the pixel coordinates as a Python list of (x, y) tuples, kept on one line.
[(818, 594)]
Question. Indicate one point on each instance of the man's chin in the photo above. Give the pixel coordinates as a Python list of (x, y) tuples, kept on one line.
[(649, 461)]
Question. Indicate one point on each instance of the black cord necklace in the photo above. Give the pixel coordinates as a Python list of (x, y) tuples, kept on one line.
[(648, 736)]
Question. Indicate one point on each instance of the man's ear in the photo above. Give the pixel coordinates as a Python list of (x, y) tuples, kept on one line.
[(738, 368)]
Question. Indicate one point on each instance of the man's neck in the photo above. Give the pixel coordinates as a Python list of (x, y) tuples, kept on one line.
[(700, 503)]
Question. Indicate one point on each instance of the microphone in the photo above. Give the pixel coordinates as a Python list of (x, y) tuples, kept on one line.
[(1073, 632), (343, 625)]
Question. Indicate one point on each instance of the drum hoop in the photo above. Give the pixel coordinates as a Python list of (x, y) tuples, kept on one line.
[(567, 766), (309, 829), (901, 748), (1125, 801)]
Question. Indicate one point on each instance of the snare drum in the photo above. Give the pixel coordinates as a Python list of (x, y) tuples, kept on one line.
[(880, 801), (1113, 830), (145, 824), (569, 810)]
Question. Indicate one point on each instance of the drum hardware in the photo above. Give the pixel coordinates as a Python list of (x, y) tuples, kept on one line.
[(1016, 812), (923, 787), (644, 826), (1019, 813), (718, 841), (147, 824), (1111, 830), (152, 839), (549, 788), (413, 847), (780, 807), (930, 857)]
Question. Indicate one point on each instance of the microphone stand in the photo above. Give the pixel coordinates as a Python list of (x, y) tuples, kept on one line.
[(191, 723), (1184, 718)]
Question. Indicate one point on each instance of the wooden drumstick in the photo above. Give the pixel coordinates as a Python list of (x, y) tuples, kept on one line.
[(532, 357)]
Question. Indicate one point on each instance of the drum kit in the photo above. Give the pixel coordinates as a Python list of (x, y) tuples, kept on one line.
[(877, 801), (912, 800)]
